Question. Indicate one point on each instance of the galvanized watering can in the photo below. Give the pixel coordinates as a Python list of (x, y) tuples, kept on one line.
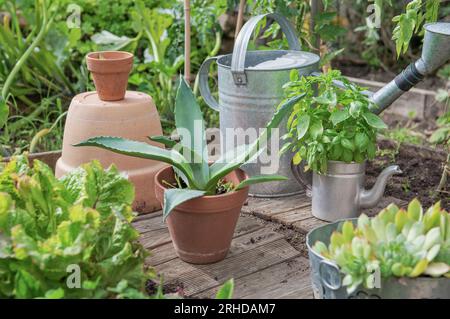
[(340, 193), (327, 278), (250, 88)]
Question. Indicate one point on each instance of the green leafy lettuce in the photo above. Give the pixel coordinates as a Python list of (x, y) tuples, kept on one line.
[(51, 228)]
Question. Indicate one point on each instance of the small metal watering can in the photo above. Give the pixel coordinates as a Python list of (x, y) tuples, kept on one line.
[(250, 88), (340, 193)]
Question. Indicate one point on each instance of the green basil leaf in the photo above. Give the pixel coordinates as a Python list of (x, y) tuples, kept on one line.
[(348, 144), (302, 125), (339, 116), (316, 129), (361, 141), (374, 120)]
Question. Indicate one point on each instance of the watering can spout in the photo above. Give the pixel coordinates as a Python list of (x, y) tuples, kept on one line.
[(369, 198), (435, 52)]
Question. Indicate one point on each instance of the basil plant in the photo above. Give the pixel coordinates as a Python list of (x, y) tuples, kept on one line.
[(189, 157), (330, 122), (397, 243)]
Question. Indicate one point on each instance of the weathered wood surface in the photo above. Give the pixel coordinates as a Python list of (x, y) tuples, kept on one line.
[(261, 261)]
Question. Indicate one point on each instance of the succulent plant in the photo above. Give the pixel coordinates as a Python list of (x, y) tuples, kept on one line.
[(395, 243)]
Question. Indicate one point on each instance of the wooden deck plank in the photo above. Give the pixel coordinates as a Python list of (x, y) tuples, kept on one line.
[(246, 225), (199, 278), (277, 281), (267, 207), (250, 261)]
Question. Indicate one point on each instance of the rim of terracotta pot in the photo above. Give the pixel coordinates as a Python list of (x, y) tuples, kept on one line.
[(205, 197), (113, 55), (114, 62)]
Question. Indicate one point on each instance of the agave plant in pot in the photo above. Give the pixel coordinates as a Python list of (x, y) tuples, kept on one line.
[(332, 132), (201, 200)]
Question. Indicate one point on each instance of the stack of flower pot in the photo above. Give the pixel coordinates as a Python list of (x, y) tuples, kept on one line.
[(113, 111)]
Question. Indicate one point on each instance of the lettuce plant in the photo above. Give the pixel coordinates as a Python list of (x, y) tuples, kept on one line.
[(189, 157), (49, 228), (397, 243)]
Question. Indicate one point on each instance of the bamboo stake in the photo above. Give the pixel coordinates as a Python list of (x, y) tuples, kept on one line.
[(316, 8), (240, 18), (187, 41)]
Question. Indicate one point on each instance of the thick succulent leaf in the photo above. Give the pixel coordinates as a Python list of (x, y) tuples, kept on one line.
[(260, 179), (226, 291), (176, 196), (189, 121), (142, 150), (220, 169), (166, 141)]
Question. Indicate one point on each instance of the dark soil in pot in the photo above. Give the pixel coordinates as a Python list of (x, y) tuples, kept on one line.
[(202, 228), (422, 169)]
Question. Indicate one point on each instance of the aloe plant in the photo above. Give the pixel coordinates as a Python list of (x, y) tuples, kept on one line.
[(189, 157), (397, 243)]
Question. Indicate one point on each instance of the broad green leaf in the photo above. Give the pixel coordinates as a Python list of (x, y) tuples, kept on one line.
[(316, 129), (339, 116), (361, 141), (174, 197), (302, 125), (327, 98), (374, 120), (260, 179), (226, 291), (4, 112), (189, 121), (348, 144), (142, 150)]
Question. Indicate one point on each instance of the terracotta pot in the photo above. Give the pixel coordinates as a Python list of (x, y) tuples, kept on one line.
[(110, 70), (202, 228), (135, 117)]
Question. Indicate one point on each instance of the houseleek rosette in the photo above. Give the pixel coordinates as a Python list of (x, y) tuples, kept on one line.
[(395, 243)]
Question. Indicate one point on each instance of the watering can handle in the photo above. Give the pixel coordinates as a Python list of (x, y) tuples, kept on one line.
[(301, 177), (203, 84), (241, 44)]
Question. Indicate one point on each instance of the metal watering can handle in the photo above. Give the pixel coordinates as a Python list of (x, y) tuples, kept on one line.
[(303, 178), (203, 83), (241, 44)]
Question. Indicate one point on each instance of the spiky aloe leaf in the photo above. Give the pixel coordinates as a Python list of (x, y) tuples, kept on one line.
[(176, 196), (260, 179), (143, 150), (191, 127), (220, 169), (166, 141)]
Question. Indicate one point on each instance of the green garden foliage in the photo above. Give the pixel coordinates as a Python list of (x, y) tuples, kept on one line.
[(330, 122), (49, 228)]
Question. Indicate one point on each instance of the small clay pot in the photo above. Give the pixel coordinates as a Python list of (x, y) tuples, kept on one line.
[(202, 228), (110, 70)]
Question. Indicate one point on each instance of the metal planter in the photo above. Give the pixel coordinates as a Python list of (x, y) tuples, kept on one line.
[(327, 278)]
